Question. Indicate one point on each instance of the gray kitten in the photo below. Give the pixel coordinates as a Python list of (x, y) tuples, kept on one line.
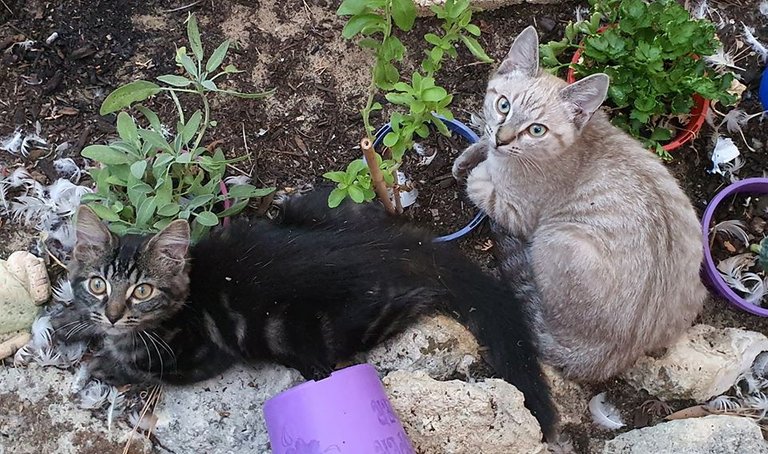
[(590, 225)]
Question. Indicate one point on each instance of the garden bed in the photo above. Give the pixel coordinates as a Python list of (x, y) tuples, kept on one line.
[(312, 124)]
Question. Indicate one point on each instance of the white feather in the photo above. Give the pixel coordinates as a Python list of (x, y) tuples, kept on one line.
[(235, 180), (145, 423), (722, 404), (48, 357), (756, 45), (23, 356), (42, 330), (12, 143), (80, 379), (604, 414), (94, 395), (71, 353), (67, 168), (116, 401), (62, 292), (732, 228)]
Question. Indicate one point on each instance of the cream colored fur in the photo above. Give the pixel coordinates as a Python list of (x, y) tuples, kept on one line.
[(614, 243)]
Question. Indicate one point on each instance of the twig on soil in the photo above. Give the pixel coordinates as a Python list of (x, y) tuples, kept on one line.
[(56, 259), (245, 141), (378, 179), (6, 7), (180, 8)]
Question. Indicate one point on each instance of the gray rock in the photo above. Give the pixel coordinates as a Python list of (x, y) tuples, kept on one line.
[(37, 415), (224, 414), (457, 417), (705, 362), (439, 345), (716, 434)]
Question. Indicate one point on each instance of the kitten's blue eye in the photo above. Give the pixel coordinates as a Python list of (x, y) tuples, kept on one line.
[(502, 105), (537, 130)]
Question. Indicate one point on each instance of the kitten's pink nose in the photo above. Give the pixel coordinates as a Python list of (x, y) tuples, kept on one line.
[(505, 135)]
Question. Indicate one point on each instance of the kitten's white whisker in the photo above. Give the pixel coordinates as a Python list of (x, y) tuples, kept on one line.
[(146, 347), (159, 355), (163, 344)]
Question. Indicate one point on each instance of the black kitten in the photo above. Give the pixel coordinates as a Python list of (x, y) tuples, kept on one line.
[(308, 291)]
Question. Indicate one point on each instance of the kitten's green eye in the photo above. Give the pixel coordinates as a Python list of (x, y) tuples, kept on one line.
[(142, 291), (537, 130), (502, 105), (97, 286)]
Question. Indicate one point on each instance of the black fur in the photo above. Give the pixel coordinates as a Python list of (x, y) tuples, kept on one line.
[(318, 286)]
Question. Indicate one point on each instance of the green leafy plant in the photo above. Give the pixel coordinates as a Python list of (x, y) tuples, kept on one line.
[(761, 249), (422, 102), (651, 51), (150, 176)]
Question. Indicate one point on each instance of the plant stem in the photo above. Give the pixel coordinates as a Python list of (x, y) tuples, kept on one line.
[(366, 111), (206, 110), (376, 176), (178, 105)]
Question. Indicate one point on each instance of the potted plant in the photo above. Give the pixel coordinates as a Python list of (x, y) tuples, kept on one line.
[(660, 88), (419, 105), (735, 246)]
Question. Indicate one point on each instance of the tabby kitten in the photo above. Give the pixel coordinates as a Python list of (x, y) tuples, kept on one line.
[(308, 292), (612, 243)]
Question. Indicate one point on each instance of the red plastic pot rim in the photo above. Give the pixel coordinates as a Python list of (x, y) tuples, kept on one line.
[(687, 133)]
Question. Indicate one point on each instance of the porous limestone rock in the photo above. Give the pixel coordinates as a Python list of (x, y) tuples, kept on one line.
[(716, 434), (458, 417), (23, 285), (703, 363), (221, 415), (37, 415), (438, 345)]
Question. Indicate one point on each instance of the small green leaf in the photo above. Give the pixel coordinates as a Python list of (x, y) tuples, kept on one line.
[(351, 7), (145, 211), (472, 29), (356, 166), (217, 57), (476, 49), (126, 128), (193, 33), (192, 126), (105, 155), (434, 94), (391, 139), (138, 168), (124, 96), (104, 212), (209, 85), (357, 23), (169, 209), (207, 218), (156, 139), (337, 177), (199, 201), (152, 118), (176, 81), (356, 194), (404, 14), (336, 197), (241, 191)]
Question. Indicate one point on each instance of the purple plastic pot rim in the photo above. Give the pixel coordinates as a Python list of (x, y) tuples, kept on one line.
[(357, 368), (749, 185)]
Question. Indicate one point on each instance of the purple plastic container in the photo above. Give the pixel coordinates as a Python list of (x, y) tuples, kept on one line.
[(348, 412), (758, 186)]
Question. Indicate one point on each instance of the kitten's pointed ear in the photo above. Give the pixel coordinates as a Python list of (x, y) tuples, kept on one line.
[(586, 95), (523, 56), (170, 245), (93, 237)]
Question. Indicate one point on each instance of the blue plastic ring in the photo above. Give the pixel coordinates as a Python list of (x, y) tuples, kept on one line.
[(468, 135)]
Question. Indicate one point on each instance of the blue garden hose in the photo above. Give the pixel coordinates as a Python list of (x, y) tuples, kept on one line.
[(468, 135)]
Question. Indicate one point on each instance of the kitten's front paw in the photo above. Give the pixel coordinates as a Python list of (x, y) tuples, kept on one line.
[(480, 188), (469, 159)]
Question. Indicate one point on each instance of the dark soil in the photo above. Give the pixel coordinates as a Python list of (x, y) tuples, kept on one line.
[(312, 124)]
